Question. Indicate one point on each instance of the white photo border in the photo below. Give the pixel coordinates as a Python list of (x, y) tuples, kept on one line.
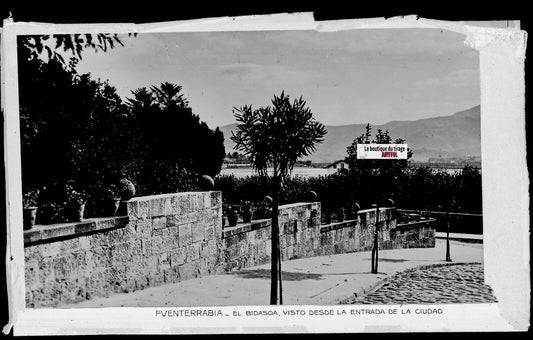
[(504, 178)]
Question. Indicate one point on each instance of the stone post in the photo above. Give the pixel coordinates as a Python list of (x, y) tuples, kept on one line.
[(448, 257)]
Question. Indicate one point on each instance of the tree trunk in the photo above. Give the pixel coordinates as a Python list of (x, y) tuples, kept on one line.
[(274, 245), (377, 240), (375, 246), (280, 278)]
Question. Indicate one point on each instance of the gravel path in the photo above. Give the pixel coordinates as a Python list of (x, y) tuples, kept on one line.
[(458, 283)]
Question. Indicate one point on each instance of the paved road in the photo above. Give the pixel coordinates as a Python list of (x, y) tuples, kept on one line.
[(324, 280), (436, 284)]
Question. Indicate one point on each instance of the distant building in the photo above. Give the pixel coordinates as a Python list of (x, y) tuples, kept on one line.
[(337, 166)]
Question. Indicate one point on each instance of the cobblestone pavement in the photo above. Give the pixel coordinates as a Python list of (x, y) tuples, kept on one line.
[(459, 283)]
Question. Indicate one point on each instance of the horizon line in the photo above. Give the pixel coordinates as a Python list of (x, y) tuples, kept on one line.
[(388, 122)]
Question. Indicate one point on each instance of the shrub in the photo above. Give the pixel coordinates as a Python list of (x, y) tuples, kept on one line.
[(31, 197), (415, 188)]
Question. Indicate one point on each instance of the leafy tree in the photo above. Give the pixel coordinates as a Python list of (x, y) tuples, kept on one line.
[(77, 130), (467, 190), (377, 178), (170, 136), (277, 136), (55, 106), (375, 165), (71, 129)]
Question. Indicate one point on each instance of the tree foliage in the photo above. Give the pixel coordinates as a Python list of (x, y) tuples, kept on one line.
[(169, 134), (77, 132), (277, 136), (380, 178), (72, 130), (420, 188), (376, 166), (370, 181), (57, 47)]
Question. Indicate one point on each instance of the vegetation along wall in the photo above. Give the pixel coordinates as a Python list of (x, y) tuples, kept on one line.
[(173, 237)]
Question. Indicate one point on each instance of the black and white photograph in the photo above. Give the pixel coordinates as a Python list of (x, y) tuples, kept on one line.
[(229, 168), (191, 131)]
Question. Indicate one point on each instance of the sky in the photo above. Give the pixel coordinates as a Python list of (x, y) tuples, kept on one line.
[(354, 76)]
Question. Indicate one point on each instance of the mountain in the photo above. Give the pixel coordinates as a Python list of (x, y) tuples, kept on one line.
[(458, 135)]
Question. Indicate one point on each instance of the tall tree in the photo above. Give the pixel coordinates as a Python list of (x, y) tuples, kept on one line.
[(77, 129), (172, 142), (377, 177), (276, 137)]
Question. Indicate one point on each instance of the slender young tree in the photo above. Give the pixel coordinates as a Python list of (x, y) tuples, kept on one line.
[(276, 137)]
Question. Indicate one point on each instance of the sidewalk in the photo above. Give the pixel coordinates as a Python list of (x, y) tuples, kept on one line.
[(461, 237), (324, 280)]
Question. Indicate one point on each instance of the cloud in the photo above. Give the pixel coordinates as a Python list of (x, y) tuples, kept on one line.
[(240, 69), (382, 41), (255, 72)]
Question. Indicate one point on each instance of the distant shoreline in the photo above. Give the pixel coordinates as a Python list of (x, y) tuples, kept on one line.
[(310, 171), (323, 165)]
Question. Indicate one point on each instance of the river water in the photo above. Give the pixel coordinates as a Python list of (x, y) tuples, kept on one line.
[(296, 172)]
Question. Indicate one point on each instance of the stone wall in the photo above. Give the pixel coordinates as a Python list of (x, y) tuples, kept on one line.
[(164, 239), (249, 244), (301, 235), (419, 234), (168, 238), (358, 234)]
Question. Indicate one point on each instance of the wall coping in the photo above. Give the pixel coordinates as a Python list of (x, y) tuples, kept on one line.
[(50, 232), (415, 224), (42, 233), (338, 225), (262, 223), (246, 227), (374, 210), (297, 204), (174, 194)]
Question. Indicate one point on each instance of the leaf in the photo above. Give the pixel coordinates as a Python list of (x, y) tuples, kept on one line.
[(59, 41), (117, 39), (49, 52), (89, 40)]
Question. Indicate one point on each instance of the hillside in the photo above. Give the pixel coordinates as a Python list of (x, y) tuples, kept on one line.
[(457, 135)]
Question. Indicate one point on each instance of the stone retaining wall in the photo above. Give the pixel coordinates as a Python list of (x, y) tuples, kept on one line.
[(249, 244), (301, 235), (174, 237), (164, 239), (420, 234), (358, 234)]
